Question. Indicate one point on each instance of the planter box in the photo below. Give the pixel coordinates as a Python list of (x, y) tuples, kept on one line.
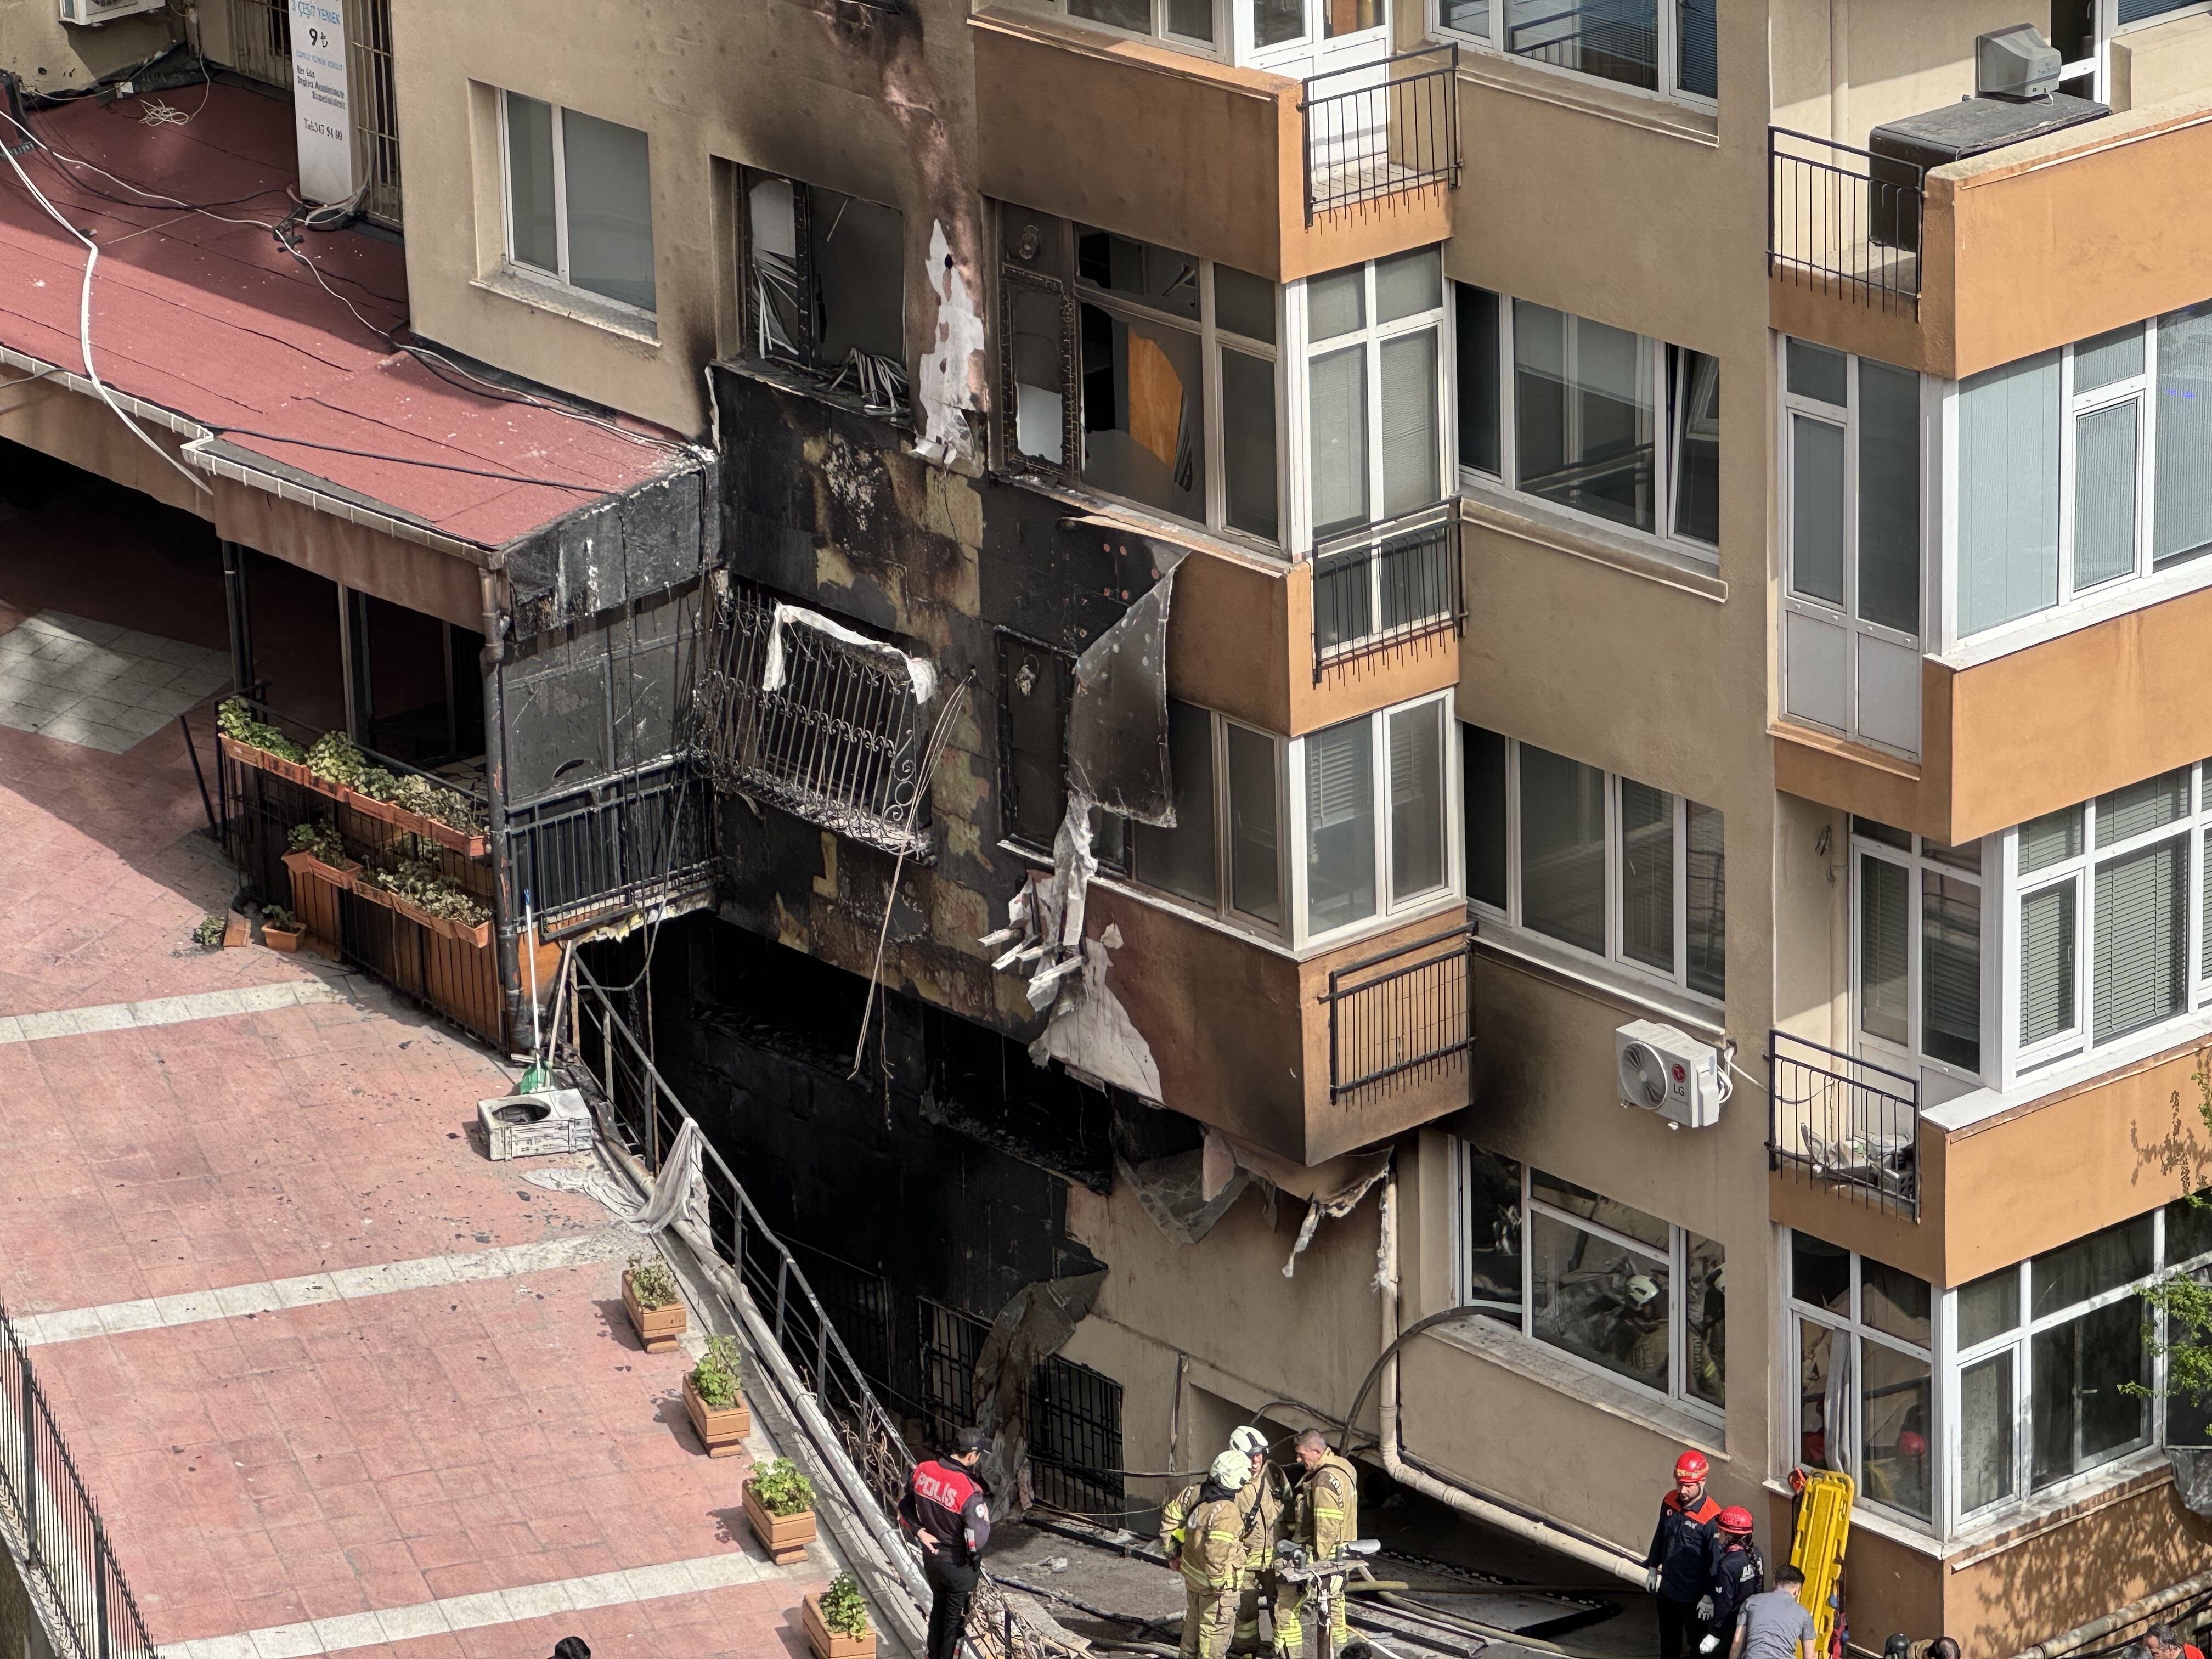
[(656, 1327), (461, 841), (261, 760), (306, 864), (278, 938), (383, 897), (827, 1643), (722, 1431), (477, 935), (785, 1537)]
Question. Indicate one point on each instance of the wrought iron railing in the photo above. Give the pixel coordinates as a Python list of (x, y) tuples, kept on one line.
[(1402, 1017), (620, 844), (838, 741), (1381, 128), (54, 1527), (1388, 587), (374, 116), (1844, 221), (261, 40), (1845, 1123)]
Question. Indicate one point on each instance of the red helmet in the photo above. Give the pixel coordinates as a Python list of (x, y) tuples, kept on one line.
[(1692, 1466), (1910, 1444), (1736, 1519)]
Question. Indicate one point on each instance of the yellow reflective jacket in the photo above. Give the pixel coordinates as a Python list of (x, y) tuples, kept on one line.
[(1327, 1515), (1173, 1514), (1214, 1543)]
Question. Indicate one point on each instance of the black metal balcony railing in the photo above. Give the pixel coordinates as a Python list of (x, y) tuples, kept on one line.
[(621, 844), (1401, 1016), (1618, 39), (1843, 1121), (1381, 128), (1844, 221), (53, 1529), (1386, 587)]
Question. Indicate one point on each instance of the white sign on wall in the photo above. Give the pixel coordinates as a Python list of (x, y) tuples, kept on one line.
[(319, 100)]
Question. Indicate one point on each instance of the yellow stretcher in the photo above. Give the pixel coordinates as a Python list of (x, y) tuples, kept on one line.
[(1824, 1527)]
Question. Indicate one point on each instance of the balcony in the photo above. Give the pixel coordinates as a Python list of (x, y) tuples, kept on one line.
[(1995, 258), (1389, 588), (1378, 1035), (1843, 1123), (1281, 177)]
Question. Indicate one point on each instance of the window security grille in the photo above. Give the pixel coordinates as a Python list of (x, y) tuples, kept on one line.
[(838, 742)]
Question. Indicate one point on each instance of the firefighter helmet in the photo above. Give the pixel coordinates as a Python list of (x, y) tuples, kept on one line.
[(1692, 1466), (1736, 1519)]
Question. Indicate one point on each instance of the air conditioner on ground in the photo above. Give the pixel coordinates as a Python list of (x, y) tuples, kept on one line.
[(1668, 1071), (92, 13)]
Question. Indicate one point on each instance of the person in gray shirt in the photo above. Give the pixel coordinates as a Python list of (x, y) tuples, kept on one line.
[(1775, 1626)]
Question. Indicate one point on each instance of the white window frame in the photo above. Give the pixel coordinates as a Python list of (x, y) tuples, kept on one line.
[(1223, 908), (1659, 370), (1370, 336), (1857, 629), (527, 273), (1917, 864), (1615, 959), (2110, 28), (1388, 911), (1667, 14), (1235, 35), (1676, 1259), (1159, 34), (2191, 829)]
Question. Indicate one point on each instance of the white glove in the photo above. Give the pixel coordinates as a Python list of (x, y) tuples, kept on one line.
[(1704, 1607), (1651, 1580), (1709, 1644)]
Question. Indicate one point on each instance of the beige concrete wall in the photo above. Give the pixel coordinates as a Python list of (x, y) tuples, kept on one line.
[(889, 116), (54, 57), (1843, 67), (2165, 61)]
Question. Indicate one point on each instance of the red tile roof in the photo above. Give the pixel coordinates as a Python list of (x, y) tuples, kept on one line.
[(216, 322)]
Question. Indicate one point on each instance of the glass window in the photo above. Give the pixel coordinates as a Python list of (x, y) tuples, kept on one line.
[(1599, 1298), (2009, 492), (1866, 1380), (1255, 853), (2081, 1416), (1893, 1429), (1339, 826), (1417, 801), (580, 200), (1583, 410), (1176, 20), (530, 206), (1816, 508), (1490, 1222), (1888, 542), (1951, 969), (848, 258), (1821, 1273), (1704, 873), (1563, 848), (1669, 47), (1989, 1307), (1918, 978), (1485, 763), (1183, 860), (1247, 419), (1647, 875), (1356, 869), (1476, 344), (1986, 1410), (1142, 412), (2184, 406), (2090, 1267), (1697, 447), (1375, 386), (1224, 854)]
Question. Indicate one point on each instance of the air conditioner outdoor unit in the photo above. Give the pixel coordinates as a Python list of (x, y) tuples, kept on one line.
[(1667, 1071), (92, 13), (531, 1125)]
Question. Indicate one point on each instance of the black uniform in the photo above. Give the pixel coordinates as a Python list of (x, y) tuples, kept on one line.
[(1681, 1548), (946, 1503), (1738, 1572)]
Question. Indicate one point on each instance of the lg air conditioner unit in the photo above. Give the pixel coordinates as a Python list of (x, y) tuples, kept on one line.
[(92, 13), (1667, 1071)]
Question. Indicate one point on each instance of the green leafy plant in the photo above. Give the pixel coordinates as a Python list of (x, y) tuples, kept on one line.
[(782, 1489), (277, 916), (234, 719), (651, 1284), (2183, 1338), (417, 874), (716, 1376), (318, 838), (208, 935), (842, 1609), (334, 758)]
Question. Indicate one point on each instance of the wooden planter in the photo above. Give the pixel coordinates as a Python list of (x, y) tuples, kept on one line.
[(475, 934), (315, 889), (306, 864), (275, 765), (657, 1328), (785, 1537), (826, 1643), (280, 938), (722, 1430)]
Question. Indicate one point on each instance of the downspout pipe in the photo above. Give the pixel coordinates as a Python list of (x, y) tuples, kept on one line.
[(2141, 1611), (1590, 1552), (506, 902)]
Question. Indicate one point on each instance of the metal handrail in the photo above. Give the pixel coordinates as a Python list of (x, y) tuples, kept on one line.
[(1363, 1034), (1411, 563), (1840, 219), (1843, 1121), (53, 1526), (1383, 139)]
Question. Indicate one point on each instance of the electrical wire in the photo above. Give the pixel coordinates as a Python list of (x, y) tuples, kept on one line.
[(410, 460), (84, 327)]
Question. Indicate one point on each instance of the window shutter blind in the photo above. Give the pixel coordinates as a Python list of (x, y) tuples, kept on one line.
[(1951, 970), (2046, 962), (2141, 807), (1889, 496), (1647, 874), (1885, 906), (2141, 946), (1409, 423), (1340, 859), (1699, 69), (2009, 492), (2104, 495), (2051, 839), (1417, 801)]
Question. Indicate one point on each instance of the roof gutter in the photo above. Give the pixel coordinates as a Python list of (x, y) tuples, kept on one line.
[(40, 370)]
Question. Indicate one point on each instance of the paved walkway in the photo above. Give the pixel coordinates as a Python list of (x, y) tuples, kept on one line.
[(338, 1383)]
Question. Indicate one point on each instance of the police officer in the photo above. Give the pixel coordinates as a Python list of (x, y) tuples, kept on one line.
[(1737, 1572), (946, 1511), (1263, 1525), (1681, 1549), (1210, 1550), (1325, 1517)]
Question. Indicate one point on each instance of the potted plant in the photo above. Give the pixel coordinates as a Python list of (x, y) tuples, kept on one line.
[(779, 1509), (258, 743), (433, 811), (836, 1621), (279, 928), (334, 765), (656, 1312), (415, 882), (710, 1395), (317, 849)]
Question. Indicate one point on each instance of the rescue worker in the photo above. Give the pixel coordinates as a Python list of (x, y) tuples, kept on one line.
[(946, 1511), (1263, 1525), (1325, 1517), (1737, 1572), (1211, 1552), (2165, 1642), (1681, 1549)]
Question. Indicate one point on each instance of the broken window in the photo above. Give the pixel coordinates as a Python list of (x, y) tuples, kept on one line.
[(825, 287), (819, 718), (1145, 374), (1034, 684)]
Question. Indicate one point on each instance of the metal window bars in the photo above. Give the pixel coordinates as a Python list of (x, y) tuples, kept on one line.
[(1844, 220), (1386, 587), (54, 1527), (625, 843), (1401, 1016), (261, 40), (838, 742), (1845, 1123), (374, 115), (1379, 130)]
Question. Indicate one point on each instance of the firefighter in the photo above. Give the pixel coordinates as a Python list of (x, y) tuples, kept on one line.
[(1210, 1550), (1737, 1572), (1324, 1519), (1681, 1549), (1262, 1526)]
